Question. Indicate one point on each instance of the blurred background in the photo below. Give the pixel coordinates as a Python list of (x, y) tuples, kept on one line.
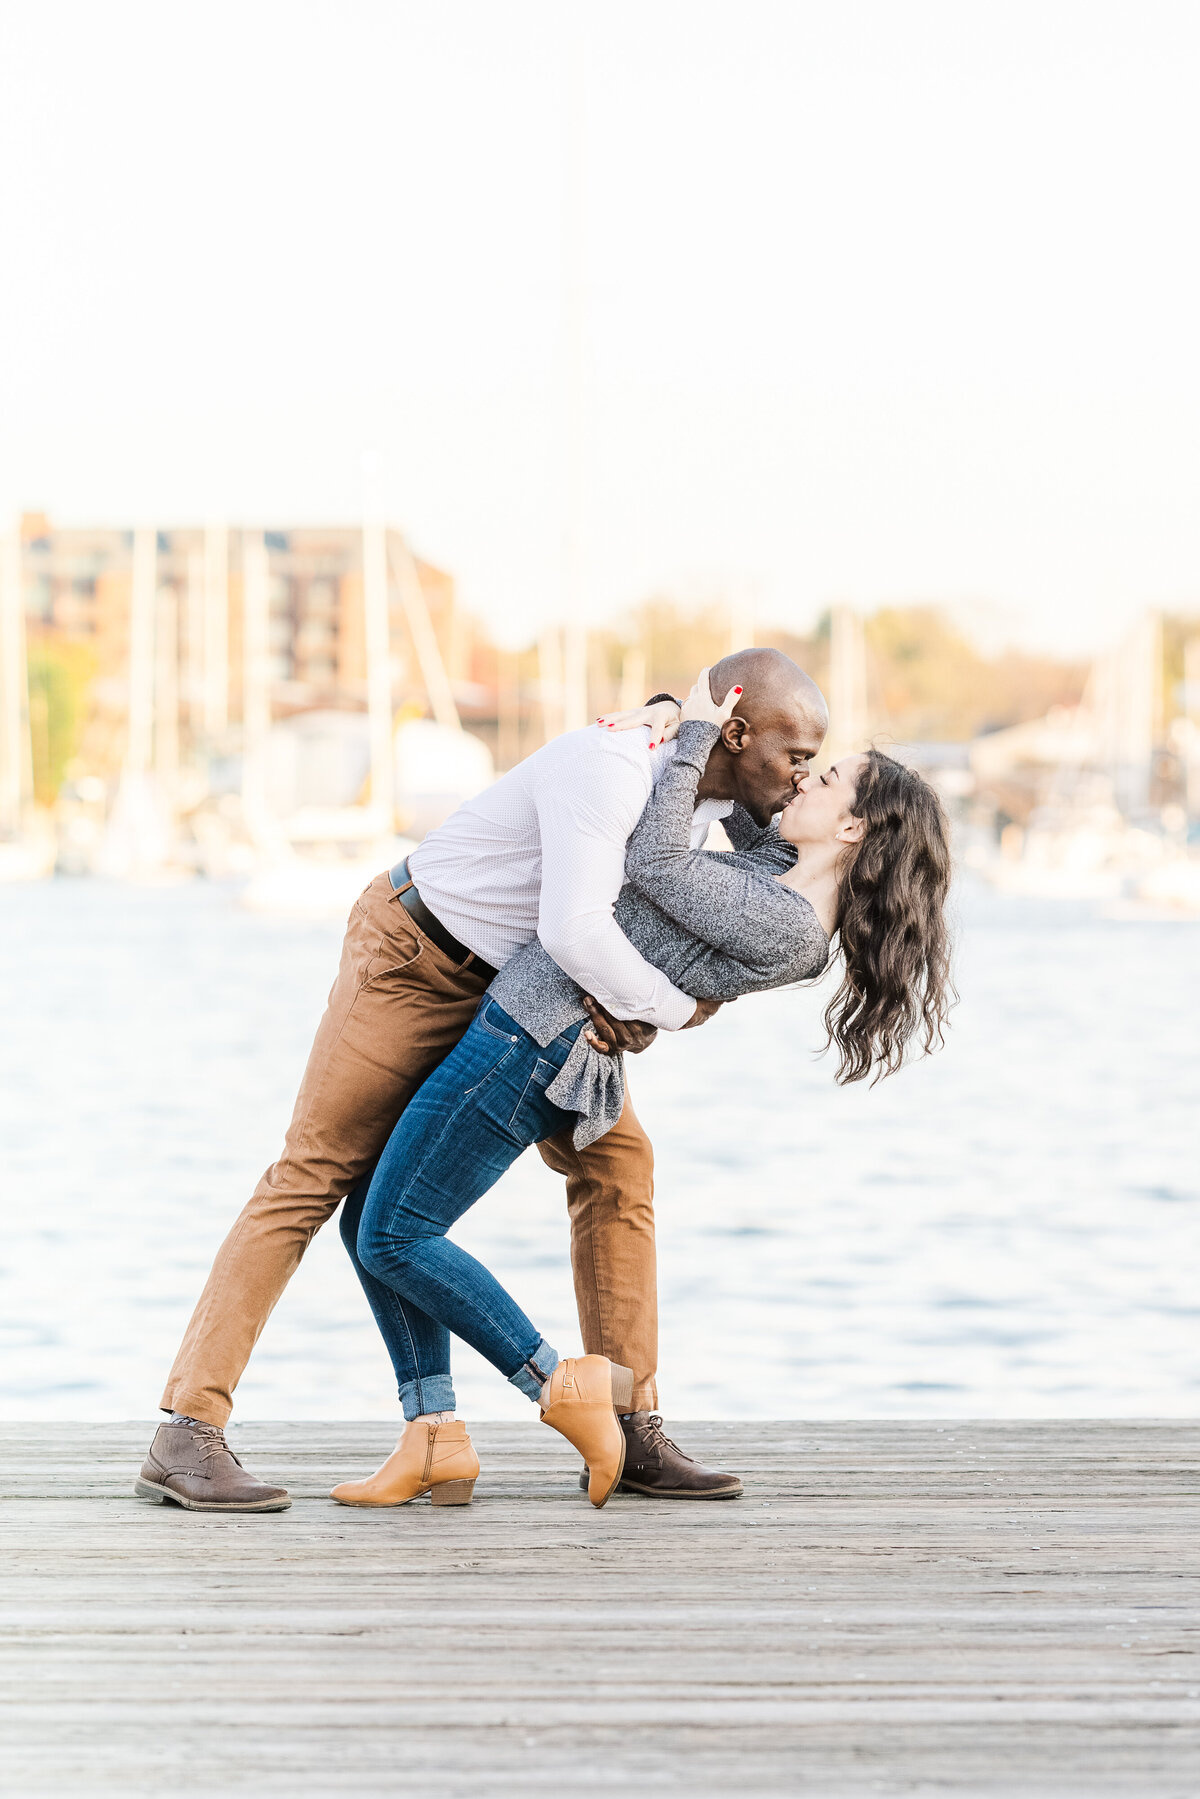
[(386, 389)]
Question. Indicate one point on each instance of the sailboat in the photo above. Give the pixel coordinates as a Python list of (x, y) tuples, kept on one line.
[(1093, 834), (332, 798), (139, 842)]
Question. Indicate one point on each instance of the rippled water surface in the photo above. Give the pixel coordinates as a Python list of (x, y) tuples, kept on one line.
[(1008, 1230)]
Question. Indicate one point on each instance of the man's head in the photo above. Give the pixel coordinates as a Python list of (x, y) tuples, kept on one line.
[(766, 747)]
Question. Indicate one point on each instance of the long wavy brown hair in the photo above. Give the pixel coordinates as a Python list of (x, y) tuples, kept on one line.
[(892, 933)]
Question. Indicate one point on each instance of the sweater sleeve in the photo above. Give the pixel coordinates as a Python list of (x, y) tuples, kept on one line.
[(762, 842), (584, 825), (747, 915)]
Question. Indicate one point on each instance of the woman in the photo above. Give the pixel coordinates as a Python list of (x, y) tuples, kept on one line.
[(862, 851)]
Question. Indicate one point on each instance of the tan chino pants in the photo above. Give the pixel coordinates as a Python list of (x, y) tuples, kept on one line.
[(398, 1006)]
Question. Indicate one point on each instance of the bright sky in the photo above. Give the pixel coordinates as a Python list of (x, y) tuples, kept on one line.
[(885, 301)]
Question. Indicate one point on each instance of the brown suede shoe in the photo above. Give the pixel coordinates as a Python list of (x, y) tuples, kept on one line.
[(193, 1466), (656, 1466)]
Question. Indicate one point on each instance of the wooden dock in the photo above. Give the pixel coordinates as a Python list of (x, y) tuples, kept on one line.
[(982, 1609)]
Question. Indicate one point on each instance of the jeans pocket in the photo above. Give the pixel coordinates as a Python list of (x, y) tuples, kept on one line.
[(490, 1018), (487, 1049), (534, 1116)]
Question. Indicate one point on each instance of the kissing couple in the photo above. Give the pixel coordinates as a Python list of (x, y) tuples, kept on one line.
[(489, 987)]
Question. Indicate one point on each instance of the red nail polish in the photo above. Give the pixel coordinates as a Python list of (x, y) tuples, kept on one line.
[(737, 690)]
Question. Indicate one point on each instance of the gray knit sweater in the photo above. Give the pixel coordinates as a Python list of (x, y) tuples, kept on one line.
[(718, 924)]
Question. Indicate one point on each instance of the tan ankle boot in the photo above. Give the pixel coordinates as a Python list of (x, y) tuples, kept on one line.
[(437, 1459), (580, 1401)]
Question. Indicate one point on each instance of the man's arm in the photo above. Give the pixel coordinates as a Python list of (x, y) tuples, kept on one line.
[(609, 1034), (585, 821)]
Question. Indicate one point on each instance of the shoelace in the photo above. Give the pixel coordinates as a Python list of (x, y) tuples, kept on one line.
[(211, 1440), (654, 1433)]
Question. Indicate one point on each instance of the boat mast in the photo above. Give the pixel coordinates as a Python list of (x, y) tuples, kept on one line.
[(140, 741), (742, 620), (192, 647), (16, 750), (416, 613), (550, 680), (1191, 690), (847, 684), (378, 647), (1139, 701), (166, 700), (215, 711), (256, 682)]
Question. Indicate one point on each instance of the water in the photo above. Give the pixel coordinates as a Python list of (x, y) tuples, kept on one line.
[(1009, 1230)]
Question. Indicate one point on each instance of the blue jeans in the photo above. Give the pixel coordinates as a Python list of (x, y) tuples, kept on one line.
[(469, 1122)]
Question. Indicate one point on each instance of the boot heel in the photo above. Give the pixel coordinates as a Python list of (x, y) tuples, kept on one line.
[(622, 1387), (452, 1492), (143, 1490)]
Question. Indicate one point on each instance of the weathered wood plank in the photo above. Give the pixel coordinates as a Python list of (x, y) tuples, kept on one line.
[(982, 1608)]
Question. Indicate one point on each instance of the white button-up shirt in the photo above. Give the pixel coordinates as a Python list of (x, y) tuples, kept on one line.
[(541, 853)]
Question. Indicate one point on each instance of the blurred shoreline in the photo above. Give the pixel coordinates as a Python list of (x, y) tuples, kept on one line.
[(279, 704)]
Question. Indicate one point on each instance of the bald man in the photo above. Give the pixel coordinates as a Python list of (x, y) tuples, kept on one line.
[(539, 853)]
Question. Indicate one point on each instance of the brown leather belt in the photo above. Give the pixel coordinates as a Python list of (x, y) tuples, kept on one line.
[(433, 927)]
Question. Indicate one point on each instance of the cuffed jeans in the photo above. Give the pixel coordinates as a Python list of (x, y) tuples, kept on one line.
[(469, 1122)]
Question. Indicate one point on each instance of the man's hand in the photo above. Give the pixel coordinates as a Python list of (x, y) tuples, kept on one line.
[(705, 1008), (609, 1034)]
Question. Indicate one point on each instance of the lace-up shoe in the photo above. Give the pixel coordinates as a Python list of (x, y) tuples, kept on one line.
[(656, 1466), (193, 1466)]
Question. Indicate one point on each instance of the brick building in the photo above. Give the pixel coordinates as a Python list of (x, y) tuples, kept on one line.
[(78, 586)]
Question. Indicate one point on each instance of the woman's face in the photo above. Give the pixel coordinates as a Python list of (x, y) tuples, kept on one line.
[(823, 809)]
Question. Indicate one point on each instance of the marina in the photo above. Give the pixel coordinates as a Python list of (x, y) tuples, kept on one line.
[(980, 1608)]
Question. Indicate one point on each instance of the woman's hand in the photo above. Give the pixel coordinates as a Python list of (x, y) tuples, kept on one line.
[(701, 706), (662, 718)]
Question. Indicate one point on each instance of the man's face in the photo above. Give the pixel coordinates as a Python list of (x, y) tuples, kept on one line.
[(775, 760)]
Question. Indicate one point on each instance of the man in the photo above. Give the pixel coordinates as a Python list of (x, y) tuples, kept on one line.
[(540, 852)]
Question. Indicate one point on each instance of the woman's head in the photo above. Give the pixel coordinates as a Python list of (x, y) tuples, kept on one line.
[(823, 809), (893, 870)]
